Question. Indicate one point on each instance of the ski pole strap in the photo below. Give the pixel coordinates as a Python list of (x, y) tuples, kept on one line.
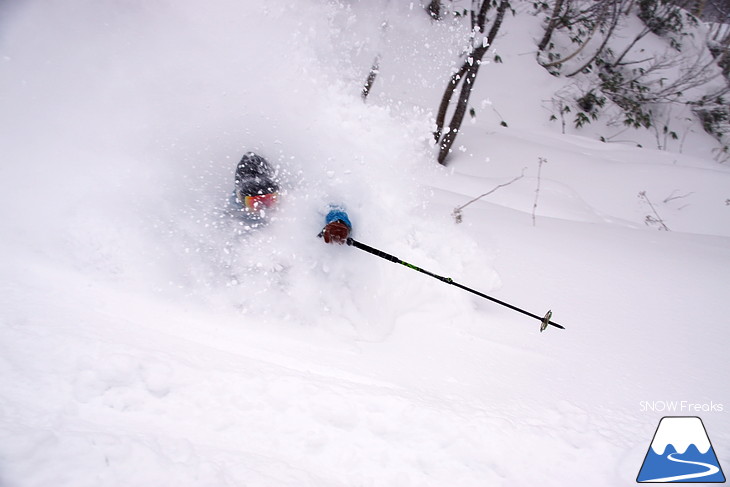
[(392, 258)]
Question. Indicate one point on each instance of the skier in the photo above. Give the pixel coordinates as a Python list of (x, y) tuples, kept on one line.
[(255, 188)]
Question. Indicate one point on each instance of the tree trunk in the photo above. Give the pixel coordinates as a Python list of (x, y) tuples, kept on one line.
[(458, 117), (482, 17), (551, 25), (504, 4), (446, 99), (477, 25)]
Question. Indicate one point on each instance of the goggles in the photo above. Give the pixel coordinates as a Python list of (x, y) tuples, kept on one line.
[(258, 202)]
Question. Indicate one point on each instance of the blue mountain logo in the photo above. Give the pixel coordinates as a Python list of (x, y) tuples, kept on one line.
[(681, 452)]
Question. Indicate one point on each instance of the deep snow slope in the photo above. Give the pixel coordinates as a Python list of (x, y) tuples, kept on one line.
[(147, 339)]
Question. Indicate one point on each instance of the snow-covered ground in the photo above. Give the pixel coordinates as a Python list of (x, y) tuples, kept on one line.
[(145, 339)]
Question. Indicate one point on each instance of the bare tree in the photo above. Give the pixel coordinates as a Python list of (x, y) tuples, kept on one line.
[(635, 82), (613, 20), (602, 16), (466, 74)]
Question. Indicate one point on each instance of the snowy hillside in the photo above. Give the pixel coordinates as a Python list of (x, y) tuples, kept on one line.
[(148, 339)]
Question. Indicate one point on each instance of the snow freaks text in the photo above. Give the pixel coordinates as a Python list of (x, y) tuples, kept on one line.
[(680, 407)]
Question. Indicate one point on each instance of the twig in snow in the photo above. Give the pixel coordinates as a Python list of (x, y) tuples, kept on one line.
[(502, 122), (674, 196), (651, 220), (540, 162), (457, 211)]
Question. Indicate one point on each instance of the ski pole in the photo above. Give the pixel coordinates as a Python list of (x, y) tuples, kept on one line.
[(544, 321)]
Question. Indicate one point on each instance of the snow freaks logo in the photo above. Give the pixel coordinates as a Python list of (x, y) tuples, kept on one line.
[(680, 452)]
